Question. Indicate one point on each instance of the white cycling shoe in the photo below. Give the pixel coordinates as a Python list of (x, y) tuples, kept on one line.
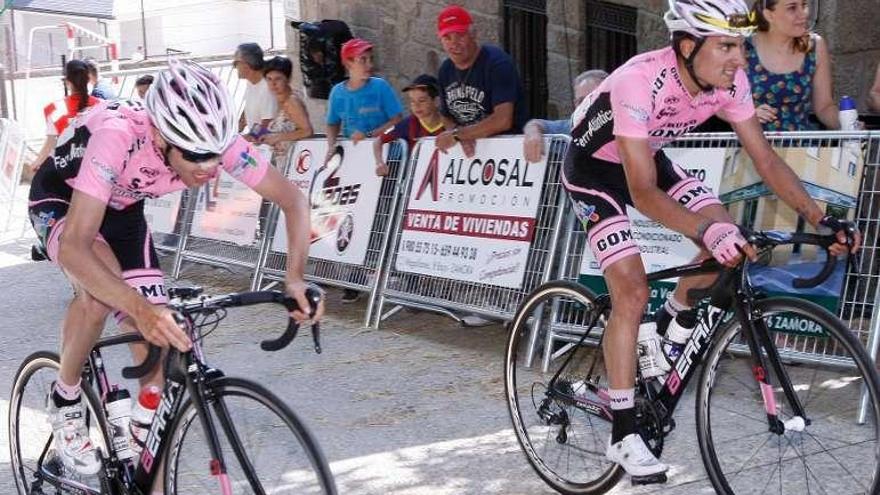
[(634, 457), (72, 444)]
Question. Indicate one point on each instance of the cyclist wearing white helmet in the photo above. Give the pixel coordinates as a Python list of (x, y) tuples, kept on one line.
[(615, 159), (86, 205)]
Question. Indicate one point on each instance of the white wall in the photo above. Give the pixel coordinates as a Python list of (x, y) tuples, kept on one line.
[(202, 27), (49, 45)]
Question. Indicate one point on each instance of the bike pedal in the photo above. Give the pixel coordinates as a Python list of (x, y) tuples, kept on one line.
[(648, 480)]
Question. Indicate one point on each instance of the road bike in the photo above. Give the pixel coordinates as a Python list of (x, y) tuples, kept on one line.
[(213, 433), (787, 400)]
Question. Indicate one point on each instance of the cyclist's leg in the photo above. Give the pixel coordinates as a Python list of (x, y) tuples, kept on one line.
[(599, 203), (82, 326)]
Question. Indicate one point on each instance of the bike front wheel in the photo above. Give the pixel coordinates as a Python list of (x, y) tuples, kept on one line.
[(265, 446), (834, 451), (35, 467), (560, 420)]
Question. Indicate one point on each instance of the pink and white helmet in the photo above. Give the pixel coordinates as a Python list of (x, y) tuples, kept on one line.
[(190, 107), (710, 18)]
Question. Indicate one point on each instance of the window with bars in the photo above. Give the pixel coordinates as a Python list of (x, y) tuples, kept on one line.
[(610, 35), (525, 39)]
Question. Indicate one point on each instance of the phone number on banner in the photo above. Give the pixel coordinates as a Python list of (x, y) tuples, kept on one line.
[(442, 250)]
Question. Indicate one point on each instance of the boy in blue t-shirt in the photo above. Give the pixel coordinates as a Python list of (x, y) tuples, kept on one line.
[(361, 106)]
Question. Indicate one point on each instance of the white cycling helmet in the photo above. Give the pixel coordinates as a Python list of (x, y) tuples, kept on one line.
[(702, 18), (190, 107)]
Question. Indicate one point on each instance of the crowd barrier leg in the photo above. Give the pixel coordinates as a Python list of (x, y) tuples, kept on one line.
[(873, 345), (186, 226)]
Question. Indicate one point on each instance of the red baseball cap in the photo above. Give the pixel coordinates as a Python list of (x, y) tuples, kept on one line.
[(453, 19), (354, 48)]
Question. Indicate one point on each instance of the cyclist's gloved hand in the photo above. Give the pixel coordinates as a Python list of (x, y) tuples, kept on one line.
[(848, 236), (724, 241)]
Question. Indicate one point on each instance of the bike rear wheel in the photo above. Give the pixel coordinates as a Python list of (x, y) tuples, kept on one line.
[(271, 438), (563, 430), (30, 430), (829, 372)]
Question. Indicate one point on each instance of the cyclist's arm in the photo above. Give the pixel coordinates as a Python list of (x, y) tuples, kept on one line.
[(778, 176), (297, 223), (81, 225), (641, 177)]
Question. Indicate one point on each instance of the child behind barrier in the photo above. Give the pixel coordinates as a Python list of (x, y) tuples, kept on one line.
[(424, 103)]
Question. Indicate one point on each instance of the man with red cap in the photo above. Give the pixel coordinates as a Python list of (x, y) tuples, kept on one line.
[(481, 93), (361, 107)]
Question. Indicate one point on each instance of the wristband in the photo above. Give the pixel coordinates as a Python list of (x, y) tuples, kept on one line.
[(701, 229)]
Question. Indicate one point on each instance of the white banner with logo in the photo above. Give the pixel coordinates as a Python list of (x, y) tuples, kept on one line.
[(11, 154), (472, 219), (161, 213), (228, 210), (661, 247), (343, 196)]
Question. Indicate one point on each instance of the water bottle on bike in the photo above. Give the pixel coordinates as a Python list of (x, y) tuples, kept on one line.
[(118, 406), (142, 416)]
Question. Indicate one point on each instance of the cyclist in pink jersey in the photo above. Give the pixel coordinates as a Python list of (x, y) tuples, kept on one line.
[(615, 159), (86, 205)]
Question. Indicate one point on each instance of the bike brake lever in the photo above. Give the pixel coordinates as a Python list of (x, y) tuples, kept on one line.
[(316, 336)]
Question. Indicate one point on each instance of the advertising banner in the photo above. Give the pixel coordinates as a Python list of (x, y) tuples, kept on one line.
[(472, 219), (161, 213), (343, 195)]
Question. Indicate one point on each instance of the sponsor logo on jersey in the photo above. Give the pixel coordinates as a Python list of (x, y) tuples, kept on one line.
[(585, 213)]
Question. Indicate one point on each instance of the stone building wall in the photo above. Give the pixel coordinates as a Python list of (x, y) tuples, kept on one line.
[(404, 32)]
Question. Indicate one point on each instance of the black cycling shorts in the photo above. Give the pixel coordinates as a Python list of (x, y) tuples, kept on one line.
[(124, 231), (599, 193)]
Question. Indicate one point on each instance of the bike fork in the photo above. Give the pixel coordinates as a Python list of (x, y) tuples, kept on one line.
[(200, 398), (757, 337)]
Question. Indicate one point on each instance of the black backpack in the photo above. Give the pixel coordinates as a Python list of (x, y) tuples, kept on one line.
[(320, 44)]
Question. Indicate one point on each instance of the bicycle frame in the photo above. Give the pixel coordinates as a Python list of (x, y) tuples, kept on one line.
[(724, 297), (185, 372)]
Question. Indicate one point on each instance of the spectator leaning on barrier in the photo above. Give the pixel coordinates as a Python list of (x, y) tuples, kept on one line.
[(291, 123), (874, 95), (480, 89), (534, 130), (100, 87), (142, 84), (59, 113), (361, 107), (260, 106), (789, 68), (423, 94)]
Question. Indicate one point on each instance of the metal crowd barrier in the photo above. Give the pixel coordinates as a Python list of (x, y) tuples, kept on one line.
[(364, 277), (449, 296), (859, 306)]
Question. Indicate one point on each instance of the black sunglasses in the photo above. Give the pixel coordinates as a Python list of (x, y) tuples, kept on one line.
[(194, 157)]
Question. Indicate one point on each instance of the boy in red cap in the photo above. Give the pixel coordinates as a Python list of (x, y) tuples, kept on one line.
[(361, 107), (425, 119)]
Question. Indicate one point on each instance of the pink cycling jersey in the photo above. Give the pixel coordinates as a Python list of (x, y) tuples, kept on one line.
[(108, 153), (645, 98)]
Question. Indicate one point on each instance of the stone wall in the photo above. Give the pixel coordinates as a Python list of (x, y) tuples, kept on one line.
[(404, 32)]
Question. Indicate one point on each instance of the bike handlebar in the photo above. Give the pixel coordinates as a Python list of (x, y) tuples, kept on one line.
[(183, 313), (771, 239)]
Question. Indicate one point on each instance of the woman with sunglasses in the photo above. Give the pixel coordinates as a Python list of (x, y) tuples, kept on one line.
[(87, 207), (789, 69)]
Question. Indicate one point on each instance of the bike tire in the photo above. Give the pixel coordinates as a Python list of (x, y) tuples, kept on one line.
[(29, 428), (832, 454), (551, 451), (188, 470)]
